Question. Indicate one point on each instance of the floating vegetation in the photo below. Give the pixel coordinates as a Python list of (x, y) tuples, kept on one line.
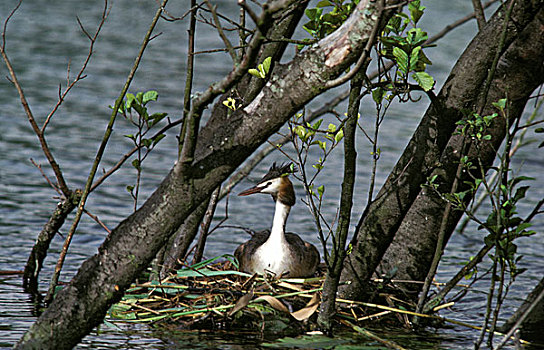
[(213, 294)]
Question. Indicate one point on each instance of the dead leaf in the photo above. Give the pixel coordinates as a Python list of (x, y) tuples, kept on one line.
[(308, 310), (275, 303), (241, 303)]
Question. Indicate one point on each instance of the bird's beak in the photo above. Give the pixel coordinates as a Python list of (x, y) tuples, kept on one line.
[(252, 190)]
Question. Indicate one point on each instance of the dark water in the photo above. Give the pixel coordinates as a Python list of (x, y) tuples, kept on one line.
[(43, 39)]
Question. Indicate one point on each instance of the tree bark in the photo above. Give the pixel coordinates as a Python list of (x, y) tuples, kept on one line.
[(223, 144), (285, 23), (39, 250), (403, 212), (531, 324)]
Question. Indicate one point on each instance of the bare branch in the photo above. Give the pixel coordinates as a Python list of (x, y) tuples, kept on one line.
[(6, 23), (227, 42), (206, 97), (249, 11), (98, 158), (479, 13), (215, 50), (45, 176), (80, 74), (43, 143), (167, 16)]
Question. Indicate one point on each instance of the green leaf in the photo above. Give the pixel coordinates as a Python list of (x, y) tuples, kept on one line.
[(318, 166), (254, 72), (157, 138), (414, 58), (130, 189), (402, 59), (300, 131), (147, 142), (324, 3), (129, 100), (500, 104), (322, 145), (313, 14), (416, 11), (378, 94), (339, 135), (320, 190), (150, 96), (520, 193), (424, 80), (262, 73), (157, 117), (394, 24), (136, 164), (519, 179), (230, 103), (416, 36), (539, 130), (266, 64), (317, 124), (139, 108), (139, 97)]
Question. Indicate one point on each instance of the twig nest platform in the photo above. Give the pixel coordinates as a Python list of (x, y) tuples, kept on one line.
[(213, 294)]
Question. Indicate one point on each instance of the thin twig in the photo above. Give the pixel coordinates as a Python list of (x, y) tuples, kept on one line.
[(97, 220), (479, 13), (43, 143), (205, 227), (219, 28), (80, 75), (203, 99), (6, 24), (98, 158), (45, 176)]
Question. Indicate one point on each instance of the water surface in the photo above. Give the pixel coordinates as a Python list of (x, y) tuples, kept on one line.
[(44, 39)]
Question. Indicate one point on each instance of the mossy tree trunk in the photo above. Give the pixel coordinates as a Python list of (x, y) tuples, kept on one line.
[(222, 145), (400, 228)]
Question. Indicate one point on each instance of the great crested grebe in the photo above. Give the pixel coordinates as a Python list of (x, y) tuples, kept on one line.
[(275, 251)]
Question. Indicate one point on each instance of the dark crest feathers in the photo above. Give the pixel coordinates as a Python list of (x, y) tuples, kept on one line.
[(278, 171)]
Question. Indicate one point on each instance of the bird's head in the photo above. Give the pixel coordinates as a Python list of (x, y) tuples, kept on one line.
[(276, 183)]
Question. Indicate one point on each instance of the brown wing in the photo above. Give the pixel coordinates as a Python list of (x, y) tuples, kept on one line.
[(305, 255), (246, 251)]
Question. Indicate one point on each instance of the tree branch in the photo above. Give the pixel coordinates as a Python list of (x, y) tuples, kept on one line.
[(226, 41), (98, 158), (479, 13)]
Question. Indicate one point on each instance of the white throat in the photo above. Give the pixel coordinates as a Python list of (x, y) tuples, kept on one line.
[(273, 255), (277, 234)]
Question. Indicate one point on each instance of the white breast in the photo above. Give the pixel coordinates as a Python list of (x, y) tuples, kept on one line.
[(273, 257)]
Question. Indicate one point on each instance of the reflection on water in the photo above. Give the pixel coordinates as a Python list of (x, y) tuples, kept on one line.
[(43, 38)]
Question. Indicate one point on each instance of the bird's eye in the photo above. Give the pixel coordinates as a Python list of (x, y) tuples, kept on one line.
[(268, 183)]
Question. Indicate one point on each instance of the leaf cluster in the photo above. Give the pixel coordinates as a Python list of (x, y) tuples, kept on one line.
[(405, 46), (262, 69), (327, 16), (135, 109)]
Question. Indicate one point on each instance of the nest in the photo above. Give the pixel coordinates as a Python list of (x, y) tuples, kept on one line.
[(213, 294)]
